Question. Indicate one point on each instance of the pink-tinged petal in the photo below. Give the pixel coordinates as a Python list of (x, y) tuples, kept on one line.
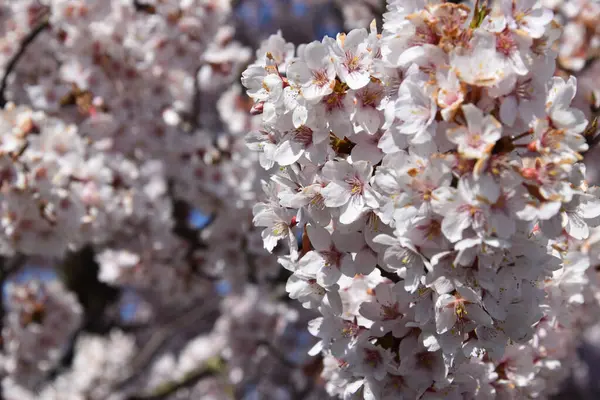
[(517, 63), (314, 92), (348, 242), (347, 265), (365, 261), (369, 119), (508, 110), (319, 237), (364, 152)]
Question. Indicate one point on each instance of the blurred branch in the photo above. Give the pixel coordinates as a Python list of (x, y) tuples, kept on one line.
[(213, 367), (12, 63), (158, 338), (181, 215), (191, 120)]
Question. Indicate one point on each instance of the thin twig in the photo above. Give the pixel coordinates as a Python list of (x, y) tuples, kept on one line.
[(27, 40)]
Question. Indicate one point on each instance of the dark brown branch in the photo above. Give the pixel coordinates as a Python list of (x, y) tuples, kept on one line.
[(27, 40)]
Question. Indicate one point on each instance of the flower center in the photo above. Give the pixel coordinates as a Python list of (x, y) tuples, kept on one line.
[(320, 78), (505, 44), (352, 62), (304, 135), (390, 312), (356, 185)]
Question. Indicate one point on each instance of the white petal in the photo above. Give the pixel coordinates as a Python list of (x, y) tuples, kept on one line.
[(454, 223), (288, 152), (352, 210), (508, 110), (319, 237), (328, 275), (336, 194), (445, 317)]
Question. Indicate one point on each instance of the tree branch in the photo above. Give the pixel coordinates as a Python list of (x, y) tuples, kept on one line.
[(27, 40), (213, 367), (155, 343)]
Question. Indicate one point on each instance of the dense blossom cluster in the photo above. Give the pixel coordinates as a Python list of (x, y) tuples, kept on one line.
[(434, 173)]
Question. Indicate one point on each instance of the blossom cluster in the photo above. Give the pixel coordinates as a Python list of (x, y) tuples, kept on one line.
[(433, 172), (579, 54), (115, 129)]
